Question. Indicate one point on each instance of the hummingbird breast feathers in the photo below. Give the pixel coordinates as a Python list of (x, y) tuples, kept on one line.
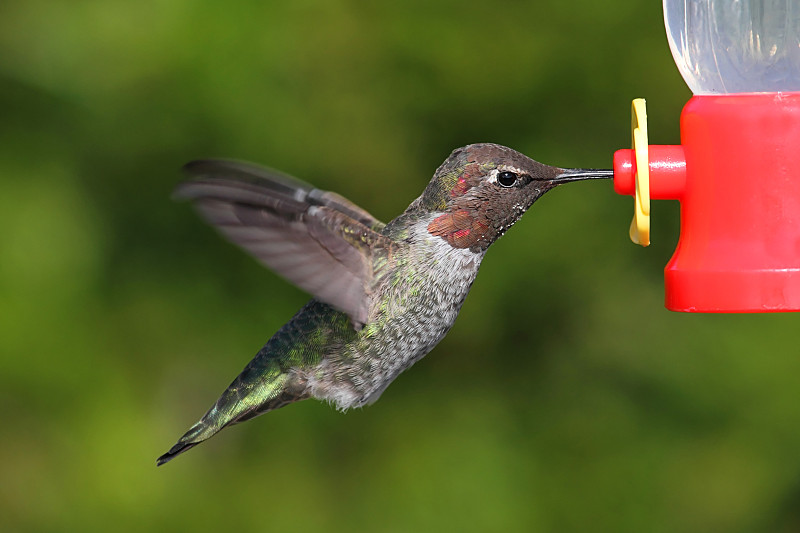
[(414, 305)]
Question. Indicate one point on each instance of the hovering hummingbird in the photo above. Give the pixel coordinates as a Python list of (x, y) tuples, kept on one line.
[(383, 294)]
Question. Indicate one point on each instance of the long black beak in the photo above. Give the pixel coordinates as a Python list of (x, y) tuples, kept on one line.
[(579, 174)]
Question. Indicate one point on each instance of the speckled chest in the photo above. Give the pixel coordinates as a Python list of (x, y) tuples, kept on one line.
[(418, 303)]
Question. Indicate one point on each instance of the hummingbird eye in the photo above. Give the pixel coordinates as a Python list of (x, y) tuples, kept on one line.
[(506, 179)]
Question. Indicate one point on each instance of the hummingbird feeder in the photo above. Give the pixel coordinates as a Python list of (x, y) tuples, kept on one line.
[(736, 172)]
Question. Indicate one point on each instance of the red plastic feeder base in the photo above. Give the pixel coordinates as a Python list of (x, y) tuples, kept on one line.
[(739, 248)]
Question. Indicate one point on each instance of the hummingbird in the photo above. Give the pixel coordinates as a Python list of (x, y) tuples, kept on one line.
[(383, 294)]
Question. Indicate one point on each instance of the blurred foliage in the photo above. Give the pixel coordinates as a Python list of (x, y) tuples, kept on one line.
[(566, 398)]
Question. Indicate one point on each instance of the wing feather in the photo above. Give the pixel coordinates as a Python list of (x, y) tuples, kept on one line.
[(318, 240)]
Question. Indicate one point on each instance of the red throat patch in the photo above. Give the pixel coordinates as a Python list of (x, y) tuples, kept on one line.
[(459, 228)]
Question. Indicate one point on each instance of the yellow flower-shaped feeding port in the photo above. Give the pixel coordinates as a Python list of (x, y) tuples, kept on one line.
[(640, 225)]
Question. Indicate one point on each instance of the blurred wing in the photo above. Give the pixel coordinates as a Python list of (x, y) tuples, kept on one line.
[(318, 240)]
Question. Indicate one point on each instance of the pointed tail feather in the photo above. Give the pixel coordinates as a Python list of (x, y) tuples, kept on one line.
[(183, 445), (248, 396), (208, 426)]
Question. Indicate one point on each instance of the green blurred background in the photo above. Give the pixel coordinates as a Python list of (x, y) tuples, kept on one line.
[(566, 398)]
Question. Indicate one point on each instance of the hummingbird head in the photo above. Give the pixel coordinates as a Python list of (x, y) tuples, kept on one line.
[(483, 189)]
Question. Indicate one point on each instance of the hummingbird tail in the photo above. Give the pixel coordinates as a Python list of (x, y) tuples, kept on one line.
[(184, 444), (251, 394)]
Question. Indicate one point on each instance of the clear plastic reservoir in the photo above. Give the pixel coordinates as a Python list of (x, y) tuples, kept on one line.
[(735, 46)]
